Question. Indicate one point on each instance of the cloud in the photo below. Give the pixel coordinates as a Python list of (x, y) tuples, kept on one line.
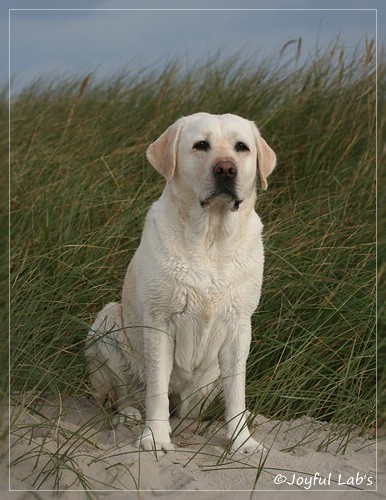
[(79, 41)]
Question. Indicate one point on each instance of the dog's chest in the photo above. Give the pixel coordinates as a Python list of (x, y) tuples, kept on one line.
[(204, 289), (204, 296), (197, 338), (206, 299)]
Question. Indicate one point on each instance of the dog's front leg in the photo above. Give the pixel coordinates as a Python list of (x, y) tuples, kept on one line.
[(232, 359), (159, 352)]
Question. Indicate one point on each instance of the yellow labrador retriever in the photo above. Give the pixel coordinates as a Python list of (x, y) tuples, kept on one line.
[(184, 323)]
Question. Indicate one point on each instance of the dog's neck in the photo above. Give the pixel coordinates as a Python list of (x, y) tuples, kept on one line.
[(211, 228)]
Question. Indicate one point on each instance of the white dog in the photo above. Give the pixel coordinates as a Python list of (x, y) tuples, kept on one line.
[(184, 323)]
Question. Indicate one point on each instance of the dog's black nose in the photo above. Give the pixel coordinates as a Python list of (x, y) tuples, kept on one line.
[(225, 170)]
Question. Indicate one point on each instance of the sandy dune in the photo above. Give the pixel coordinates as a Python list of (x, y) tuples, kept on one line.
[(68, 445)]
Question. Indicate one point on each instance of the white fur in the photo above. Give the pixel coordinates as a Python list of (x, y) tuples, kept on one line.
[(184, 324)]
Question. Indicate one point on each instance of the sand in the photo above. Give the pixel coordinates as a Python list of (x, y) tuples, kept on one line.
[(68, 445)]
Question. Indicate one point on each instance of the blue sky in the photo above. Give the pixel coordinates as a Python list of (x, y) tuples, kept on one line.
[(50, 43)]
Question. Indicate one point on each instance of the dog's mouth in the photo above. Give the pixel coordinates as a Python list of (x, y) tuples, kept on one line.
[(224, 193)]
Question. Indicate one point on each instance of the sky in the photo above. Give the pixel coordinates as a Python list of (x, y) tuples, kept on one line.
[(51, 43)]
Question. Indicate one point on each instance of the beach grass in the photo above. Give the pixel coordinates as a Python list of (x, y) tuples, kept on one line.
[(81, 186), (381, 245)]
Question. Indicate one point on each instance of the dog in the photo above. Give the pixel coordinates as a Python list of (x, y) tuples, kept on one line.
[(183, 327)]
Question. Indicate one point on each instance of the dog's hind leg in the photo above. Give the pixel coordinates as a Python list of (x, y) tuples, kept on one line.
[(106, 364)]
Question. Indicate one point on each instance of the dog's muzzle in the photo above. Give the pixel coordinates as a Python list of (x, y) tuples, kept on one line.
[(224, 174)]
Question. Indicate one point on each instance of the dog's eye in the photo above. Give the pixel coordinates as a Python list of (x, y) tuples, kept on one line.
[(202, 146), (241, 146)]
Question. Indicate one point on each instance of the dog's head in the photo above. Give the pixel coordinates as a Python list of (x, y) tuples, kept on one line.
[(215, 158)]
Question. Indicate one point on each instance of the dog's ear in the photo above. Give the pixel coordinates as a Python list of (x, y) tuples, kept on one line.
[(266, 158), (162, 153)]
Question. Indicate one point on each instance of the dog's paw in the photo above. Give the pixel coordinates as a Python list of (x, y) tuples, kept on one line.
[(246, 446), (127, 415), (154, 437)]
